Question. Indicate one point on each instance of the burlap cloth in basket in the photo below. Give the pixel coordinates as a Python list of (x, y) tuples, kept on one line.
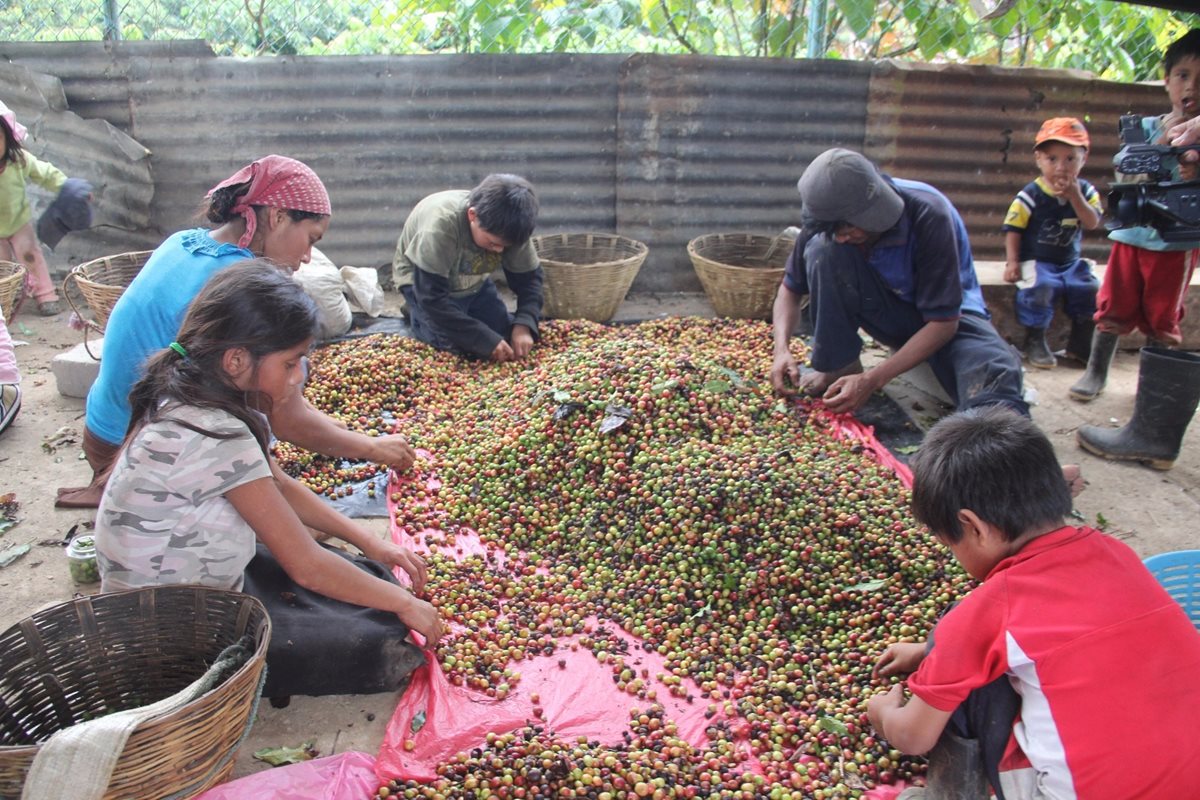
[(77, 762)]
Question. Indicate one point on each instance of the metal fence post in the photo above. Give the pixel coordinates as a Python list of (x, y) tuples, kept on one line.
[(112, 21), (815, 41)]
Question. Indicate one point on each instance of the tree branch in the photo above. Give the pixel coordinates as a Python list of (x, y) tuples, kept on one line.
[(671, 24)]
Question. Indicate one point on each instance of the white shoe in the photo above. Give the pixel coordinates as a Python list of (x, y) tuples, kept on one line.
[(10, 403)]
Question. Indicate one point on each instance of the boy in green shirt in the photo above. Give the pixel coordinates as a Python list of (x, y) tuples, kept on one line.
[(451, 243)]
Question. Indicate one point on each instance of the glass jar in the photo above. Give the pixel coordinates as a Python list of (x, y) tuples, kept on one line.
[(81, 559)]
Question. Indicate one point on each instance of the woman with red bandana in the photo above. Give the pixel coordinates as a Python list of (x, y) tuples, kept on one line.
[(275, 208)]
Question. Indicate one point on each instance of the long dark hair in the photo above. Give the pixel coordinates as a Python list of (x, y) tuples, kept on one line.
[(250, 305), (13, 152)]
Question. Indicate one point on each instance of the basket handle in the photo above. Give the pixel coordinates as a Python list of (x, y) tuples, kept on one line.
[(88, 324)]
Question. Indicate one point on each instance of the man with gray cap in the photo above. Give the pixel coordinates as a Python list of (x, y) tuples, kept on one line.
[(892, 257)]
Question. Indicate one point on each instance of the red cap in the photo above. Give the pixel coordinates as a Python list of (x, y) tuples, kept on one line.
[(1063, 129)]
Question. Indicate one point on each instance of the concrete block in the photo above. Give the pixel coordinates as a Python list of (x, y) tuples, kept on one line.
[(76, 370), (1001, 296)]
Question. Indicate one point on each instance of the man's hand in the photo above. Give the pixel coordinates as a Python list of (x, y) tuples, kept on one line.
[(901, 658), (785, 374), (1012, 272), (394, 451), (849, 392), (1182, 134), (882, 704), (502, 352), (522, 341)]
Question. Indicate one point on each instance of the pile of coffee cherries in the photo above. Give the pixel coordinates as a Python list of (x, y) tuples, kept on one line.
[(648, 478)]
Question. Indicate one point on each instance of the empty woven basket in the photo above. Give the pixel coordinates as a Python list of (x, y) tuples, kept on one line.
[(97, 655), (740, 272), (102, 281), (12, 284), (587, 274)]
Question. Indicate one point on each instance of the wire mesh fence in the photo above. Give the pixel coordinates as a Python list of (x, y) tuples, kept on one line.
[(1113, 40)]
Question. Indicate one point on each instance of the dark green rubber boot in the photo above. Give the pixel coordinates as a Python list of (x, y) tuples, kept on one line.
[(1093, 380), (1167, 395)]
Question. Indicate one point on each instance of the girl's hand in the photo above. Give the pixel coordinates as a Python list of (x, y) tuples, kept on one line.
[(1012, 272), (393, 555), (901, 658), (424, 619)]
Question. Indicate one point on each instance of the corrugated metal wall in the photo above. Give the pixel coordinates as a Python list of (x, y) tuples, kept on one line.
[(660, 148)]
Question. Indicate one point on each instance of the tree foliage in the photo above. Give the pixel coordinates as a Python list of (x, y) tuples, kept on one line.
[(1113, 40)]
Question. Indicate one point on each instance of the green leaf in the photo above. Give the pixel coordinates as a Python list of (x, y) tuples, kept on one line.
[(869, 586), (5, 524), (717, 386), (908, 449), (665, 385), (734, 377), (560, 396), (833, 726), (418, 721), (10, 554), (278, 756), (859, 14), (1101, 521)]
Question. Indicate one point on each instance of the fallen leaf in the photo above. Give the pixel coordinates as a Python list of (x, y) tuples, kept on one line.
[(418, 721), (278, 756), (10, 554)]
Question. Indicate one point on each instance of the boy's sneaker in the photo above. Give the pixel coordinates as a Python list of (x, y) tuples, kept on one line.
[(48, 308), (10, 404)]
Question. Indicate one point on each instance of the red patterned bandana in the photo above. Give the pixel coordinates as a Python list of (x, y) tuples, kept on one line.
[(276, 182)]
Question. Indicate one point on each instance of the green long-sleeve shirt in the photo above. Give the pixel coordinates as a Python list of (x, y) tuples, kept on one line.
[(14, 202)]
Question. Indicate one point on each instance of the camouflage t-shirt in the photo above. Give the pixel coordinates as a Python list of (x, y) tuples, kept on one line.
[(164, 518)]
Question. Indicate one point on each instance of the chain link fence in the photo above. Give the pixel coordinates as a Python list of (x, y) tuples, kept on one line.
[(1117, 41)]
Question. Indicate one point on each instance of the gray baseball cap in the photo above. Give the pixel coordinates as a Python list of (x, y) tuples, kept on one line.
[(844, 186)]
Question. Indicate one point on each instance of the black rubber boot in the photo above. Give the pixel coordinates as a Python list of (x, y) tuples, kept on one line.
[(1079, 341), (1037, 352), (1093, 380), (955, 772), (1167, 395)]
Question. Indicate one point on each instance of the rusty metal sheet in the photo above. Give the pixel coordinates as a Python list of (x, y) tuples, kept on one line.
[(117, 166), (710, 145), (969, 131)]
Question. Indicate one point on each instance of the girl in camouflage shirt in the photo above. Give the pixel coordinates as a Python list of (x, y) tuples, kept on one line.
[(194, 485)]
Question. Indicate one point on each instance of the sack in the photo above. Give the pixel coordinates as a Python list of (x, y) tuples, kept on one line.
[(363, 290), (323, 646), (323, 283)]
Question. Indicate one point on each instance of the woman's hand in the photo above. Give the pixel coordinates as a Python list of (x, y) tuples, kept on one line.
[(392, 450)]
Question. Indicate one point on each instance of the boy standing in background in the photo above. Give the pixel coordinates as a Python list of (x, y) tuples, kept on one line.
[(1043, 230), (1146, 279)]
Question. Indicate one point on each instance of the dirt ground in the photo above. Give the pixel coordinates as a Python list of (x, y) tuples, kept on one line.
[(1152, 511)]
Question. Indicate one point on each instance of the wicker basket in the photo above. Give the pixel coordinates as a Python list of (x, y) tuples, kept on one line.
[(740, 272), (12, 286), (97, 655), (102, 281), (588, 274)]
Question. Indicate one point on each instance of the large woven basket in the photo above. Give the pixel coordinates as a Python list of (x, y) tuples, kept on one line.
[(740, 272), (102, 281), (97, 655), (12, 286), (587, 274)]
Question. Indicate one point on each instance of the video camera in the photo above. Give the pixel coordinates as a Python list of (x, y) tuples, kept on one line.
[(1170, 207)]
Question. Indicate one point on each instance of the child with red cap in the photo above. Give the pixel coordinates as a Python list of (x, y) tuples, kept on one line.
[(1042, 233)]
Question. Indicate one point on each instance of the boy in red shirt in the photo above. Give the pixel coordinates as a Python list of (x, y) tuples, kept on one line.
[(1070, 667)]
